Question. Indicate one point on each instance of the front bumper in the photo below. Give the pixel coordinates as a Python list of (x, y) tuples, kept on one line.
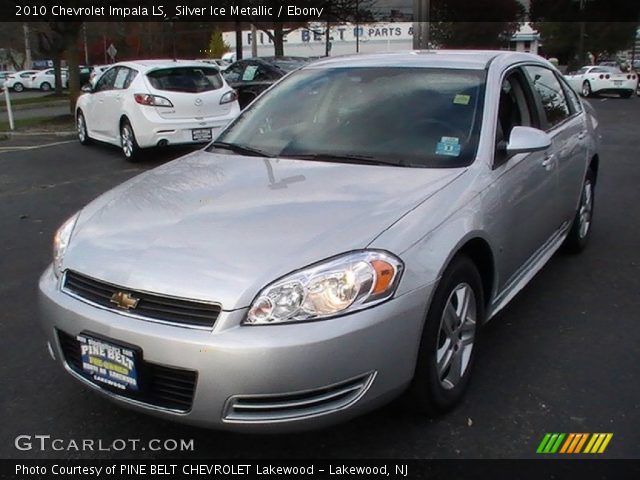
[(371, 353)]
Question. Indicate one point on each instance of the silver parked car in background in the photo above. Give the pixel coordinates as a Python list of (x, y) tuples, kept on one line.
[(342, 241)]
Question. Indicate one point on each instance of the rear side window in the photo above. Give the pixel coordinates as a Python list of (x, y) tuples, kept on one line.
[(186, 79), (550, 93)]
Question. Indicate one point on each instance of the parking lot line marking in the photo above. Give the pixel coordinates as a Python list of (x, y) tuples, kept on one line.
[(32, 147)]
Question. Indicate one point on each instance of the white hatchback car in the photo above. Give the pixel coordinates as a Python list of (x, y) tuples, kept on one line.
[(597, 79), (152, 103)]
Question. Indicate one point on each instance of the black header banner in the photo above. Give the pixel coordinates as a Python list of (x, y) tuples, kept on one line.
[(315, 10)]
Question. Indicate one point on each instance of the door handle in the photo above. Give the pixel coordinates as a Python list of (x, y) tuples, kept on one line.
[(547, 163)]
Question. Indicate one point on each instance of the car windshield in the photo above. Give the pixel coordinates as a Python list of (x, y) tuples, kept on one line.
[(186, 79), (422, 117)]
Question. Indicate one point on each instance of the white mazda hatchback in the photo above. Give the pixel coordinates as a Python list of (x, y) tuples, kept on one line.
[(149, 103)]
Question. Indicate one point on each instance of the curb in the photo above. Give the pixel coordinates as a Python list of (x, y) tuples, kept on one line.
[(34, 106), (37, 133)]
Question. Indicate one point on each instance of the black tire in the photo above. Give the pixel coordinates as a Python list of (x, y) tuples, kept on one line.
[(45, 86), (131, 151), (578, 237), (626, 94), (432, 390), (81, 129), (586, 89), (18, 87)]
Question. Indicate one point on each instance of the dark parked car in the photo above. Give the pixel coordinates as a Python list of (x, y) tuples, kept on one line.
[(252, 76)]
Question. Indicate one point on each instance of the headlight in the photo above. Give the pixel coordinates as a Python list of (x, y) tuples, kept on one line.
[(60, 243), (336, 286)]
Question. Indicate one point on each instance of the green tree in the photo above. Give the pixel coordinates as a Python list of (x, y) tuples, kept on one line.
[(602, 39), (217, 45), (455, 26)]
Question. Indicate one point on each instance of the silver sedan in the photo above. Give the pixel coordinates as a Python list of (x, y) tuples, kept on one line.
[(341, 242)]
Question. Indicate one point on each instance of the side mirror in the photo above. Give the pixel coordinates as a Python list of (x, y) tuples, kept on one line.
[(527, 140), (86, 88)]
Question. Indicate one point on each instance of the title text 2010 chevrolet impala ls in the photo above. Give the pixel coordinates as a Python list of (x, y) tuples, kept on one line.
[(341, 241)]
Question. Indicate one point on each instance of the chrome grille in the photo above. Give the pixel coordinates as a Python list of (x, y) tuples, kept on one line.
[(150, 306)]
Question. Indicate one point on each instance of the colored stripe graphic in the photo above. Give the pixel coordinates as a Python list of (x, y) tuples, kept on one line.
[(572, 443), (581, 443), (543, 443)]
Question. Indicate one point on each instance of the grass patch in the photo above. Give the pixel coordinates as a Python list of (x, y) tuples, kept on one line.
[(47, 124), (36, 100)]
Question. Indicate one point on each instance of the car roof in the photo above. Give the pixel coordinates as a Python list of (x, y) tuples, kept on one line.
[(147, 65), (464, 59)]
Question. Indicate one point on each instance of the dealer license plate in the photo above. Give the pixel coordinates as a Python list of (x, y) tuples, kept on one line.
[(109, 364), (201, 134)]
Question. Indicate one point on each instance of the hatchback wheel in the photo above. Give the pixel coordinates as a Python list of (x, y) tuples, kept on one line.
[(45, 86), (448, 344), (128, 142), (81, 127), (586, 89), (18, 87), (582, 222)]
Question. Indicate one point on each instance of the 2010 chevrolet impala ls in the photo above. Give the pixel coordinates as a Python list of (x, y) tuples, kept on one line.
[(340, 242)]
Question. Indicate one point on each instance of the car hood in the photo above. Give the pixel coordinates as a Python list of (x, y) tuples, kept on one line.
[(221, 227)]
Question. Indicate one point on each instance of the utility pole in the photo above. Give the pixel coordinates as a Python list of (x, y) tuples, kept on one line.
[(27, 47), (582, 33), (238, 40), (357, 26), (254, 41), (421, 24), (84, 39)]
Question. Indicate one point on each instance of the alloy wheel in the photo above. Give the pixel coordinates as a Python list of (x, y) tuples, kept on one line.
[(82, 132), (586, 209), (126, 138), (456, 336)]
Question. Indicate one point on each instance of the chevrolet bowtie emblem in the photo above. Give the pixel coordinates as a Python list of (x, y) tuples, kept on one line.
[(124, 300)]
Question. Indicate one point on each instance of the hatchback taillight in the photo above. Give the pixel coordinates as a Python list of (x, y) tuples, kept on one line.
[(152, 100), (230, 96)]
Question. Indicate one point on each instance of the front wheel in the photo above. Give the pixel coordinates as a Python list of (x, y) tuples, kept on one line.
[(578, 236), (448, 344), (81, 127), (128, 143), (586, 89), (18, 87)]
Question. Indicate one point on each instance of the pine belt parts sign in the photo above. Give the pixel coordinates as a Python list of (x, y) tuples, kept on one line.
[(348, 33)]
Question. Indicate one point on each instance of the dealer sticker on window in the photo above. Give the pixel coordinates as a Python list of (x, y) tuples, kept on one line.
[(109, 364), (448, 146)]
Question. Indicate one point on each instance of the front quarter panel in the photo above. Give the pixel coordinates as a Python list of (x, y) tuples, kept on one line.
[(428, 237)]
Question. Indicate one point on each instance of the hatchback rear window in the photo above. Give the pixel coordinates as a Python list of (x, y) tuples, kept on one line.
[(186, 79)]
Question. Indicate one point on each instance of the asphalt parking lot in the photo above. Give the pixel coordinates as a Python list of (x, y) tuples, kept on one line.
[(563, 357)]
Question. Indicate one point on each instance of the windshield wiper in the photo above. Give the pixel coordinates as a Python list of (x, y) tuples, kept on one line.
[(242, 149), (343, 158)]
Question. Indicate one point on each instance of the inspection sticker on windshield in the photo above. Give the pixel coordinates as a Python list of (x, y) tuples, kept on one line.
[(448, 146), (462, 99)]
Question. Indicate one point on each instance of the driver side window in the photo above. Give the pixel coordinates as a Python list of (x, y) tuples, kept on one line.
[(514, 109), (107, 80)]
